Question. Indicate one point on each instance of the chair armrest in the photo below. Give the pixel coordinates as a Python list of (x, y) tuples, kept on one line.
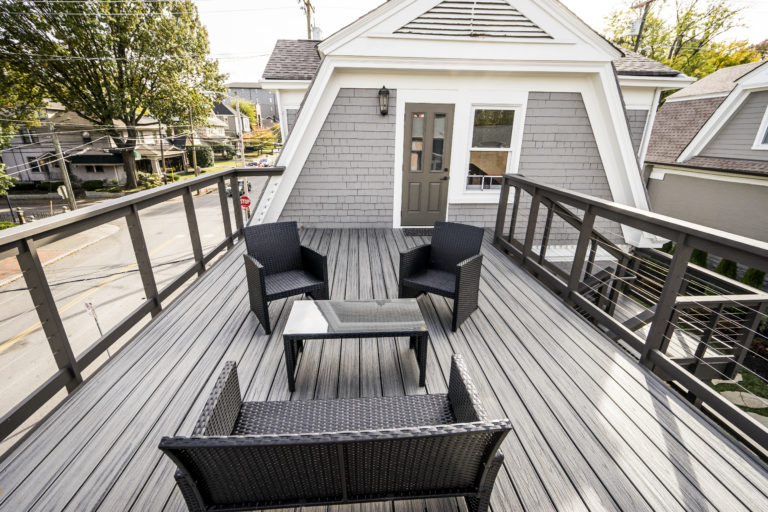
[(223, 405), (414, 261), (468, 274), (314, 263), (254, 273), (462, 394)]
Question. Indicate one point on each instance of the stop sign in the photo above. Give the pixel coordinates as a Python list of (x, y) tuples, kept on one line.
[(245, 201)]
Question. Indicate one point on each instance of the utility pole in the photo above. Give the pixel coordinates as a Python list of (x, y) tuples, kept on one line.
[(63, 166), (194, 149), (646, 4), (308, 8), (239, 125), (162, 149)]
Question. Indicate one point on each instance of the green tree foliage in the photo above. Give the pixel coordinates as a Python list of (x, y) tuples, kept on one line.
[(109, 61), (688, 40), (204, 155), (247, 108), (6, 182), (727, 268), (20, 101), (754, 278)]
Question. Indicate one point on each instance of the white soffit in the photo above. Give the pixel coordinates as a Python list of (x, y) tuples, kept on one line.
[(471, 18)]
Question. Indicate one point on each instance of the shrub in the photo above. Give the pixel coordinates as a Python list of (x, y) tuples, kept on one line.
[(727, 268), (91, 185), (226, 150), (669, 247), (172, 177), (49, 186), (754, 278), (6, 225), (204, 156), (699, 257), (24, 186), (149, 180)]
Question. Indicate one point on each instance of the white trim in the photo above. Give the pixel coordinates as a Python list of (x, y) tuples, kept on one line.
[(761, 139), (515, 142), (646, 139), (698, 97), (286, 85), (659, 172), (663, 82)]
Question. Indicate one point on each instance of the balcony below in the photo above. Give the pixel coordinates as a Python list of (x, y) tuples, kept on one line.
[(593, 430)]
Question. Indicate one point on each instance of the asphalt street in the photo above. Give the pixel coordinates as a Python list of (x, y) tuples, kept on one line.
[(105, 275)]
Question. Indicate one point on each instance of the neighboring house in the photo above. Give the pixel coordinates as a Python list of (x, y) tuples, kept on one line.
[(473, 92), (264, 99), (90, 154), (708, 157), (214, 128), (229, 115)]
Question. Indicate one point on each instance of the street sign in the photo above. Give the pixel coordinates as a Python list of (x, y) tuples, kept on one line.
[(245, 201)]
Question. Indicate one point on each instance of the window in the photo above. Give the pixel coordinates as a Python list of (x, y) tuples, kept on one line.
[(94, 168), (761, 140), (491, 151), (34, 164)]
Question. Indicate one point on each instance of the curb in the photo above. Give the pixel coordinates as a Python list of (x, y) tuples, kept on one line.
[(57, 258)]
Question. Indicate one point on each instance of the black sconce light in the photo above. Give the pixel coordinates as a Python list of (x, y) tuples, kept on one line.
[(384, 100)]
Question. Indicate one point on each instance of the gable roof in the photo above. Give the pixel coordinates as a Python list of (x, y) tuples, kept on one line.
[(293, 60), (468, 18), (721, 82), (220, 109), (676, 124)]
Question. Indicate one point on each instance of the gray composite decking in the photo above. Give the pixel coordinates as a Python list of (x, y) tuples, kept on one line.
[(592, 429)]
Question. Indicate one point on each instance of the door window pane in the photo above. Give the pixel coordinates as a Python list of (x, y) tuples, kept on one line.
[(417, 140), (493, 128), (438, 142)]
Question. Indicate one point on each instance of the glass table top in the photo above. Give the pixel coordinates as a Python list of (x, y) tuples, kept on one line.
[(326, 317)]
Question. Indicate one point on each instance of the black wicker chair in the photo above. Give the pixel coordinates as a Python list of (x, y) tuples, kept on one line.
[(449, 266), (278, 266), (260, 455)]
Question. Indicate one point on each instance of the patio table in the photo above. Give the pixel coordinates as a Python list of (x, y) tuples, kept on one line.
[(344, 319)]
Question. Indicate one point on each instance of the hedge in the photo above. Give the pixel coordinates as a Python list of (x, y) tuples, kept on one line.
[(49, 186), (727, 268), (90, 185), (754, 278), (699, 257), (204, 156)]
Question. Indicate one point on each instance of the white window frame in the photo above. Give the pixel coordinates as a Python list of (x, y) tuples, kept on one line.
[(513, 151), (761, 140)]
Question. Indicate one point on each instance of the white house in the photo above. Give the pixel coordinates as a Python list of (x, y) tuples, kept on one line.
[(473, 91)]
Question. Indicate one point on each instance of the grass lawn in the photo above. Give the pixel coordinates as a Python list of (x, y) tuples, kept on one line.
[(753, 384)]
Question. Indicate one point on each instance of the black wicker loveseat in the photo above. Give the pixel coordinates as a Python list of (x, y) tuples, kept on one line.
[(278, 266), (260, 455), (449, 266)]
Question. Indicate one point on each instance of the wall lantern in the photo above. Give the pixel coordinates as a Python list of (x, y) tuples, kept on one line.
[(384, 100)]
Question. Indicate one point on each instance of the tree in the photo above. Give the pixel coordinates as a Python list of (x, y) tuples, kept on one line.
[(6, 182), (247, 108), (20, 102), (688, 41), (762, 48), (115, 61)]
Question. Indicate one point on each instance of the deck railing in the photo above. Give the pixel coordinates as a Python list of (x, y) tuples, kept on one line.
[(599, 256), (23, 242)]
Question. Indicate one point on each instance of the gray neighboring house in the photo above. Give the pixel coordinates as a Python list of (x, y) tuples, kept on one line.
[(229, 115), (707, 160), (253, 92), (536, 92)]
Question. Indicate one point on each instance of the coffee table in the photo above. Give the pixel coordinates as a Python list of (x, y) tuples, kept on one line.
[(332, 319)]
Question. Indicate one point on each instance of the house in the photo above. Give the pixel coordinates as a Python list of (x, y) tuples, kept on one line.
[(708, 156), (253, 92), (471, 92), (214, 128), (90, 153), (229, 115)]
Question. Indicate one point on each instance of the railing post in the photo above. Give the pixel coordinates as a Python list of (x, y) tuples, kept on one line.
[(751, 324), (706, 336), (547, 229), (143, 261), (236, 208), (513, 219), (666, 305), (222, 186), (45, 304), (501, 214), (533, 217), (585, 235), (194, 229)]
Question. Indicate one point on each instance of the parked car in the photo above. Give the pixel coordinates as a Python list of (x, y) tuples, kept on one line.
[(241, 184)]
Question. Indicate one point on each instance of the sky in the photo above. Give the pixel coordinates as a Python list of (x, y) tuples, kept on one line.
[(243, 32)]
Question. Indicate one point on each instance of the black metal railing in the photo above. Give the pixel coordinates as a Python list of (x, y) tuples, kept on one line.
[(643, 298), (23, 242)]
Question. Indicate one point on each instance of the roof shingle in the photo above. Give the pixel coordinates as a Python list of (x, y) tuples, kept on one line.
[(721, 81), (293, 60), (634, 64)]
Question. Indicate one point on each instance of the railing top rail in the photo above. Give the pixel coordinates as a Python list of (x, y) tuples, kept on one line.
[(39, 229), (723, 238)]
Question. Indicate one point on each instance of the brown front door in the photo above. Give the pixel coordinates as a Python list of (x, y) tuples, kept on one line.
[(426, 162)]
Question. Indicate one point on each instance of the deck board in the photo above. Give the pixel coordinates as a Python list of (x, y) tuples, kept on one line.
[(592, 430)]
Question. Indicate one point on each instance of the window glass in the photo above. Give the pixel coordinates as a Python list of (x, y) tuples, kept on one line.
[(417, 140), (765, 136), (483, 165), (493, 128), (438, 142)]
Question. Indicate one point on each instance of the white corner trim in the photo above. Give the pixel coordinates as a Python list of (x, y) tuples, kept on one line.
[(646, 139), (761, 138)]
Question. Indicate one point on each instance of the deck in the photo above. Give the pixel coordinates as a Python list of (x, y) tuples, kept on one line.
[(592, 429)]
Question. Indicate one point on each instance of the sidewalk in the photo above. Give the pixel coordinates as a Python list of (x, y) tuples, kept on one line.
[(9, 267)]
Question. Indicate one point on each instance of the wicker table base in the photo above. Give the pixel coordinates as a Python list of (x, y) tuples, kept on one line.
[(336, 319)]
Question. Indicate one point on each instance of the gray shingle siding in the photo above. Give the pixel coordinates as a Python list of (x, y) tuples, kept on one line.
[(290, 119), (735, 139), (637, 120), (347, 179)]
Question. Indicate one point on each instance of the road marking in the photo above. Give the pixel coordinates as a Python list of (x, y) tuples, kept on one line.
[(76, 300)]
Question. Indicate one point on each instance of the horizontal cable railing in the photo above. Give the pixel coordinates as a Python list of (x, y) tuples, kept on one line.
[(23, 243), (693, 327)]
